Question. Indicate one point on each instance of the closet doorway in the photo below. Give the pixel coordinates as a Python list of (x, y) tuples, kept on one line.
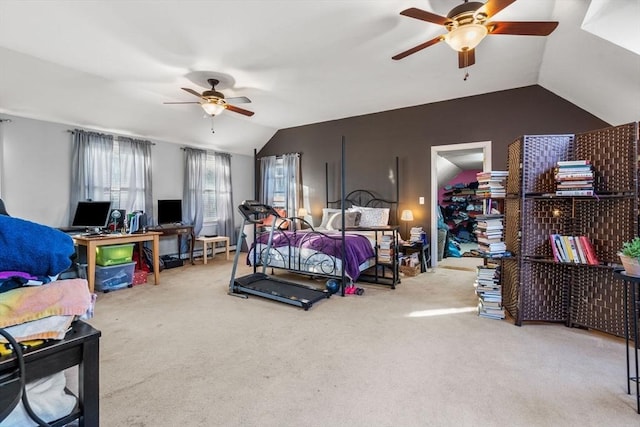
[(446, 162)]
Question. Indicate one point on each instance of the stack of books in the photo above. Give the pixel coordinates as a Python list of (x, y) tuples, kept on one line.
[(574, 178), (385, 249), (489, 233), (417, 234), (489, 291), (491, 184), (574, 249)]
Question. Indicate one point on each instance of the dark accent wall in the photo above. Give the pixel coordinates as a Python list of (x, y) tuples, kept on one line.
[(373, 141)]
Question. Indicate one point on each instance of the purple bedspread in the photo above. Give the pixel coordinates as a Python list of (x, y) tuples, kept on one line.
[(357, 248)]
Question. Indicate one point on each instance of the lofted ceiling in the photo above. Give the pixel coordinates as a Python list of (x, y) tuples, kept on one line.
[(110, 65)]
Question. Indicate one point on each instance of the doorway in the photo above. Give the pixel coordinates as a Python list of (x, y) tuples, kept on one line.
[(463, 154)]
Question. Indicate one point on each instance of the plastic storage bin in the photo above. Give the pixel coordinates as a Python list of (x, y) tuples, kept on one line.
[(114, 254), (114, 277)]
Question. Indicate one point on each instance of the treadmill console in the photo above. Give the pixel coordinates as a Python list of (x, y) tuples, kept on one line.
[(254, 211)]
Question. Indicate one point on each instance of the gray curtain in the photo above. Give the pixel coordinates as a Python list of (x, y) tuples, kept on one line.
[(267, 179), (224, 196), (135, 176), (195, 162), (91, 160), (293, 183)]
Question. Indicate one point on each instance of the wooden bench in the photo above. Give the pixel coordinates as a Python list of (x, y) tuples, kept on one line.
[(213, 240)]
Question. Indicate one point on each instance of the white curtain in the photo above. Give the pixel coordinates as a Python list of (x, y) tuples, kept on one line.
[(195, 163), (135, 176), (224, 196), (91, 173)]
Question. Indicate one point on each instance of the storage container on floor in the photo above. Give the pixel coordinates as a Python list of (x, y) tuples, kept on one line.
[(114, 277), (114, 254)]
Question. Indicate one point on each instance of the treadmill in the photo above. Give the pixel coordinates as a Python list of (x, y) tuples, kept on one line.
[(260, 283)]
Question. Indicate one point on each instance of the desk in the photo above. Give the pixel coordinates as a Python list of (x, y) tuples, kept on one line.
[(80, 347), (177, 230), (635, 311), (92, 242), (213, 240)]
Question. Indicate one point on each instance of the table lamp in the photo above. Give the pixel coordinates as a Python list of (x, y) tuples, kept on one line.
[(407, 215)]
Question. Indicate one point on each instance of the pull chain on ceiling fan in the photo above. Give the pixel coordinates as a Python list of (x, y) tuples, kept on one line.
[(467, 24), (214, 102)]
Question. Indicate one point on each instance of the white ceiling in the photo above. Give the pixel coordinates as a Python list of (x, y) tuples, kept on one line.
[(110, 65)]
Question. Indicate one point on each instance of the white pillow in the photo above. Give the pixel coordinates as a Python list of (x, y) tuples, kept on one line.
[(351, 220), (373, 217), (327, 213)]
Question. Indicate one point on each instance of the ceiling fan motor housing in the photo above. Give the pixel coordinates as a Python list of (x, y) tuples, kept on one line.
[(466, 14)]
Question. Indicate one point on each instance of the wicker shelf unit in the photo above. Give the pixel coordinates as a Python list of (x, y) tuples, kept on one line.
[(535, 288)]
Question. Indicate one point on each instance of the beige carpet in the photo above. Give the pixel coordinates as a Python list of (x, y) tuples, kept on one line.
[(184, 353)]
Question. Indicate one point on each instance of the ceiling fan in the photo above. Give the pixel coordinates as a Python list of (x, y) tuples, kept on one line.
[(468, 23), (214, 102)]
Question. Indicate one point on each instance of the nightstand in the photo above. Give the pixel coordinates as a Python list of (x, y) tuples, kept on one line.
[(423, 253)]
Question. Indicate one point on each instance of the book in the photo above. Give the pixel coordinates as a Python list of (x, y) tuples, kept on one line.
[(573, 162), (563, 255), (574, 192), (589, 251), (557, 256)]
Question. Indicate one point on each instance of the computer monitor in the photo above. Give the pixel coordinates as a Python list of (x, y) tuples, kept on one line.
[(92, 214), (169, 211)]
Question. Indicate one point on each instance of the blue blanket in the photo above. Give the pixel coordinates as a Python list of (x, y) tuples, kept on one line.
[(33, 248)]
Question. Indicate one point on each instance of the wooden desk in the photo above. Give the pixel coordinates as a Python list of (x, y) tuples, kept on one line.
[(92, 242), (79, 347), (177, 230)]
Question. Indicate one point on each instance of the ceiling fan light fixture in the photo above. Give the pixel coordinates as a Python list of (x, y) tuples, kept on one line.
[(212, 108), (466, 37)]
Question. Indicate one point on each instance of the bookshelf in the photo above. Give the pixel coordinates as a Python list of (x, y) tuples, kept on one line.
[(535, 286)]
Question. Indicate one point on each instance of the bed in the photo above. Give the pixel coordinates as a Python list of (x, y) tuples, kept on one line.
[(369, 242)]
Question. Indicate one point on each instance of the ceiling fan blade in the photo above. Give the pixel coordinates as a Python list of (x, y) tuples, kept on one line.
[(184, 102), (418, 48), (423, 15), (492, 7), (192, 92), (238, 100), (542, 28), (466, 58), (239, 110)]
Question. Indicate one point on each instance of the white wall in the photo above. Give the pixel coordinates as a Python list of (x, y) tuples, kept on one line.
[(35, 172)]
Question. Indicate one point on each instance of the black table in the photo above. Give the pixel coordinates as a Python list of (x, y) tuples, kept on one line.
[(635, 304), (80, 347)]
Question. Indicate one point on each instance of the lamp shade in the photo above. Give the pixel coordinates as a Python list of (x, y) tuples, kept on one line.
[(466, 37), (302, 212), (407, 215), (212, 108)]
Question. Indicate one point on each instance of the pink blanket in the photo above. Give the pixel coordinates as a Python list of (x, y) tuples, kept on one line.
[(58, 298)]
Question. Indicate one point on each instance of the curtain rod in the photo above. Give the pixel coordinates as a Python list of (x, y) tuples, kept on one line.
[(72, 131), (279, 156), (204, 149)]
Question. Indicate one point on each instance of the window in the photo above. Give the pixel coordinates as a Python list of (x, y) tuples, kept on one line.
[(108, 168)]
